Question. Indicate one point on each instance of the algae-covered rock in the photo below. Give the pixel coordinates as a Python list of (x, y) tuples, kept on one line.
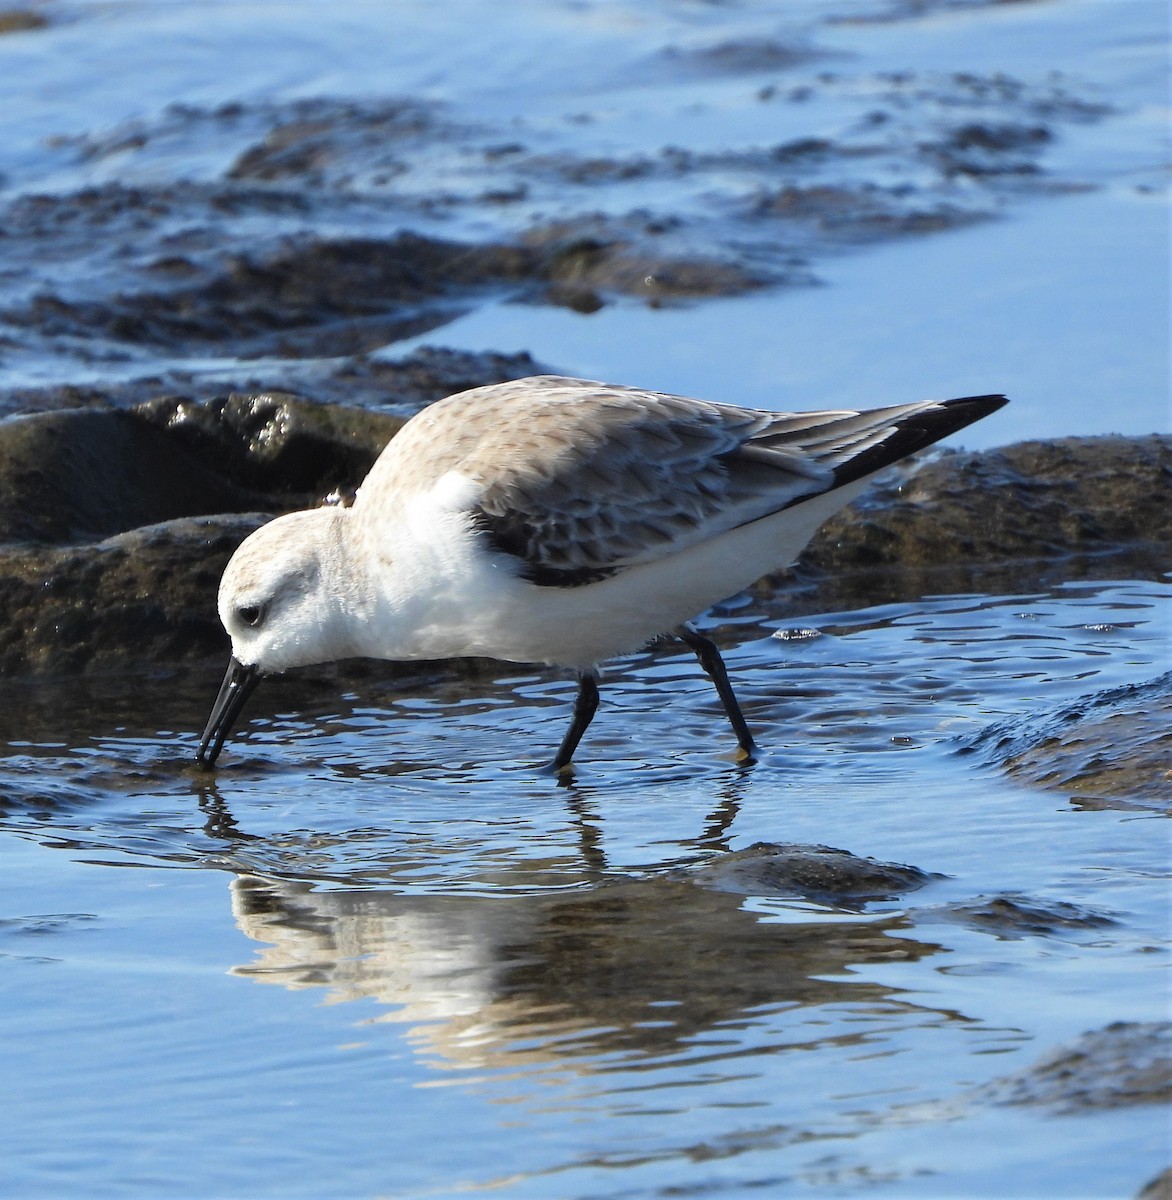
[(1037, 499), (143, 597), (105, 566), (118, 523)]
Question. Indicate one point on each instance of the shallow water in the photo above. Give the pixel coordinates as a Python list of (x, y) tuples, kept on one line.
[(379, 953), (1048, 283)]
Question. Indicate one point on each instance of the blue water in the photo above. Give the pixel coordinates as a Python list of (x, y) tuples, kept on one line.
[(477, 979), (379, 953), (1059, 297)]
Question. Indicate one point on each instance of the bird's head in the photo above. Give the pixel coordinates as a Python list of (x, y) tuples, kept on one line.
[(281, 594), (282, 602)]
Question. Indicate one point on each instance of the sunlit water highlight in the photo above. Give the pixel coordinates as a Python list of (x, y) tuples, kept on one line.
[(560, 976)]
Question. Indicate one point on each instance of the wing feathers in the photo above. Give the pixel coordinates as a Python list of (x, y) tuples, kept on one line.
[(580, 479)]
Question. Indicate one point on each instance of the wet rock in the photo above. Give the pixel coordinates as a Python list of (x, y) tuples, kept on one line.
[(402, 386), (74, 476), (981, 148), (405, 385), (71, 479), (1011, 916), (742, 56), (275, 442), (147, 593), (1124, 1064), (866, 211), (1107, 749), (821, 874), (248, 260), (1070, 500), (147, 596), (306, 297), (889, 11), (319, 141), (314, 297), (81, 475), (583, 262)]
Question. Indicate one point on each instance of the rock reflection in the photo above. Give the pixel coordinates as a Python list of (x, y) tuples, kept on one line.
[(633, 967)]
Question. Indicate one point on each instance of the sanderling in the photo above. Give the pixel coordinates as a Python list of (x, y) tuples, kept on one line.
[(553, 520)]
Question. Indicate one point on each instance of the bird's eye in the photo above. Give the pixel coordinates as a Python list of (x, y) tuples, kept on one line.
[(250, 614)]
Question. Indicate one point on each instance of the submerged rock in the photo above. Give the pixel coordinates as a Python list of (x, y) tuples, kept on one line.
[(1012, 916), (1111, 749), (822, 874), (1125, 1063)]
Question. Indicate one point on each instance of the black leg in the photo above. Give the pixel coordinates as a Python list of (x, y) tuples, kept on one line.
[(585, 706), (713, 665)]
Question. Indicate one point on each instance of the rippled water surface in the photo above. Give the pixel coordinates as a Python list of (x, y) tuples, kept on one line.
[(380, 953)]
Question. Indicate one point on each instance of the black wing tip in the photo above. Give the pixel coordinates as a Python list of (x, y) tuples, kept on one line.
[(918, 431), (975, 407)]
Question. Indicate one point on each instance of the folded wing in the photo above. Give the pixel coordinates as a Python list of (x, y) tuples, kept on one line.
[(579, 480)]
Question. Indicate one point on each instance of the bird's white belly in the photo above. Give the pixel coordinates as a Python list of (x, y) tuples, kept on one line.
[(481, 608)]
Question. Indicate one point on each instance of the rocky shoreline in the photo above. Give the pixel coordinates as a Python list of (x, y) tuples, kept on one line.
[(115, 524)]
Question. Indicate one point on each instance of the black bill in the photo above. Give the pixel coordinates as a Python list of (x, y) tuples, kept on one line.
[(238, 685)]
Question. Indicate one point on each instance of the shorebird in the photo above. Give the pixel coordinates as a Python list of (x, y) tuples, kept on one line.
[(558, 521)]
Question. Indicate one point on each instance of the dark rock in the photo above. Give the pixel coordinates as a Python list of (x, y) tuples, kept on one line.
[(1159, 1188), (21, 20), (981, 149), (1107, 749), (1124, 1064), (959, 520), (317, 141), (1017, 916), (357, 293), (593, 256), (818, 873), (74, 476), (147, 596), (81, 475), (743, 56), (275, 442), (402, 385), (865, 211)]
